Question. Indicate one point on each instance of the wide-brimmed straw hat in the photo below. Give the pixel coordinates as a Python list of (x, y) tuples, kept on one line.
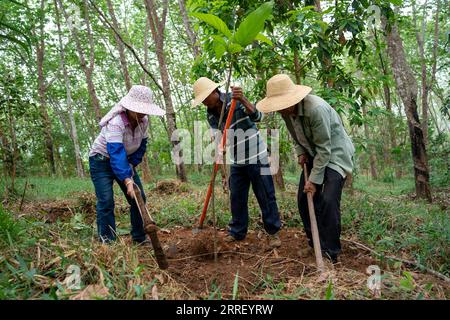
[(281, 93), (140, 99), (203, 87)]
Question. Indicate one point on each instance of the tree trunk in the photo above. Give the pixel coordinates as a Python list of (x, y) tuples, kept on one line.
[(14, 151), (372, 158), (187, 26), (420, 45), (426, 86), (407, 89), (119, 44), (42, 88), (4, 145), (297, 69), (87, 69), (73, 126), (157, 29), (146, 175)]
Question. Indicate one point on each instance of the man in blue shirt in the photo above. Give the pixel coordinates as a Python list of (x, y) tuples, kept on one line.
[(249, 159)]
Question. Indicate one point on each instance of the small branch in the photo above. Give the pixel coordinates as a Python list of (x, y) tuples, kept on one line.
[(105, 20), (407, 262), (23, 194)]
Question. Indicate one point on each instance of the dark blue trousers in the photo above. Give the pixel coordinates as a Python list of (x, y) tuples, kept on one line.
[(327, 205), (240, 179), (103, 178)]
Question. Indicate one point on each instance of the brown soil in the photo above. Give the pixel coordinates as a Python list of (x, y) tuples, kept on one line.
[(64, 210), (191, 261)]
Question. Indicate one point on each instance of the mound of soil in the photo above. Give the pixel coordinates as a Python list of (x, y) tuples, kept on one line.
[(202, 245), (86, 202), (64, 210), (168, 186)]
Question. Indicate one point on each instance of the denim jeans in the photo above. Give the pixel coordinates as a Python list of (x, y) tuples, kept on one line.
[(103, 178), (327, 205), (240, 179)]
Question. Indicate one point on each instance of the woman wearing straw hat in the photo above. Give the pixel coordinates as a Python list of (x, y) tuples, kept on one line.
[(249, 159), (322, 143), (116, 152)]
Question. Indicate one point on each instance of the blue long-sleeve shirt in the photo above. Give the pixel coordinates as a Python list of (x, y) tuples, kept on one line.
[(120, 162)]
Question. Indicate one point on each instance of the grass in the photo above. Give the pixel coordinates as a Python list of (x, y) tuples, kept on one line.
[(383, 216), (35, 256), (46, 188)]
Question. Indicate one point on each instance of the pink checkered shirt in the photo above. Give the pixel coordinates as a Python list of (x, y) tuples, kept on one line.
[(119, 130)]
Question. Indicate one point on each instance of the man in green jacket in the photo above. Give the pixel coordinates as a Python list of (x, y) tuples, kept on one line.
[(323, 145)]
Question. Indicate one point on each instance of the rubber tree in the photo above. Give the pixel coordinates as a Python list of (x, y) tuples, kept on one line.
[(157, 24), (406, 85)]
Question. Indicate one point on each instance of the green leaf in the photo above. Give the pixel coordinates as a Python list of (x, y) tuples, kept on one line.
[(329, 294), (263, 38), (322, 24), (17, 41), (219, 45), (235, 48), (407, 283), (396, 2), (253, 24), (236, 286), (214, 22), (219, 49)]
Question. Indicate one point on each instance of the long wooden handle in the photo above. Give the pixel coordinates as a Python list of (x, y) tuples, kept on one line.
[(150, 229), (314, 229), (216, 165)]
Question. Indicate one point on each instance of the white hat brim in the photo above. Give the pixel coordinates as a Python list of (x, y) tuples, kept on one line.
[(150, 109), (205, 93), (283, 101)]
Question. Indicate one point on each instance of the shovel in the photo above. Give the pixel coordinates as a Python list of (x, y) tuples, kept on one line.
[(314, 229), (150, 228), (216, 168)]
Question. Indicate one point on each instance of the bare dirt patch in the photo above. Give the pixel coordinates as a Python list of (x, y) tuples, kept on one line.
[(259, 268)]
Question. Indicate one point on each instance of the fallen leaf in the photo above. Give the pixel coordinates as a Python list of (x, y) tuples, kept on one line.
[(155, 293), (275, 253), (160, 278), (58, 259)]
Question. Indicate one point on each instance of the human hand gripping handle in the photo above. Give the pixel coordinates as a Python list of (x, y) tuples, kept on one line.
[(302, 159), (129, 184), (238, 94), (309, 186)]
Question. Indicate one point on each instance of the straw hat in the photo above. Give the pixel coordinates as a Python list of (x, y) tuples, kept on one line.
[(281, 93), (203, 87), (140, 99)]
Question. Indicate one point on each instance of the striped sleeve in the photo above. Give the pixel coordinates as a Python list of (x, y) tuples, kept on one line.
[(256, 116)]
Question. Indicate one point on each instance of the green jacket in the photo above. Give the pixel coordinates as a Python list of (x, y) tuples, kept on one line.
[(317, 130)]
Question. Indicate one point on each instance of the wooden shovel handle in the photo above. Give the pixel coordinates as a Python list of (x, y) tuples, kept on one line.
[(150, 228), (314, 228)]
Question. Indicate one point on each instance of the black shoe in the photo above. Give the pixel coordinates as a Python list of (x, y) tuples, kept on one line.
[(332, 257)]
